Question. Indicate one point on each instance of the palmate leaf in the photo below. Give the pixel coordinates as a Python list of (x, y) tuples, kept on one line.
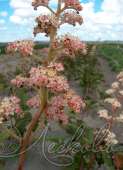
[(23, 97), (108, 159)]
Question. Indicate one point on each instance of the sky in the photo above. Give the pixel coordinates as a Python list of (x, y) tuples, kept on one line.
[(102, 19)]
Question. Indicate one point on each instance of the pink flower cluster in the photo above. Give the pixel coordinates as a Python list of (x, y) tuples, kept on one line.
[(45, 24), (70, 3), (44, 77), (34, 102), (69, 98), (71, 18), (75, 4), (25, 46), (73, 44), (75, 102), (9, 106), (37, 3)]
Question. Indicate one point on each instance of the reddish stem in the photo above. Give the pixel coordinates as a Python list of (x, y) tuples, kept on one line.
[(93, 157)]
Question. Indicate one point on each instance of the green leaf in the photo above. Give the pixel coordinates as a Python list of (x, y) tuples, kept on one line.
[(119, 150), (87, 101), (3, 135), (56, 147), (1, 86), (35, 127), (15, 116), (14, 148), (79, 122), (22, 120), (84, 91), (23, 97), (99, 158), (89, 137), (54, 138), (69, 109), (63, 138), (100, 102), (10, 159), (1, 167), (88, 74), (97, 76), (88, 98), (72, 115), (26, 156), (107, 159), (112, 168), (22, 128)]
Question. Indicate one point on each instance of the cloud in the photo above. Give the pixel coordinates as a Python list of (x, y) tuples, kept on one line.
[(15, 20), (3, 14), (26, 13), (119, 28), (116, 6), (27, 3), (3, 28), (19, 4), (2, 21)]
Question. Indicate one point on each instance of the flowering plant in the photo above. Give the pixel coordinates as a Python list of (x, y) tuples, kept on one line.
[(45, 76), (89, 146)]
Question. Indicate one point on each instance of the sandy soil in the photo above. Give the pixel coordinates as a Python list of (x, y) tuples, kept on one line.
[(36, 159)]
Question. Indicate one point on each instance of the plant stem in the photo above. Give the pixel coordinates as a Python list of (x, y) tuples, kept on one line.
[(38, 128), (50, 9), (23, 114), (50, 47), (11, 133), (60, 48), (34, 56), (28, 133), (52, 36), (82, 164), (40, 94), (44, 101)]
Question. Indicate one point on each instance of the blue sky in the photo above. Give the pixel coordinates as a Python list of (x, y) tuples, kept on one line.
[(102, 19)]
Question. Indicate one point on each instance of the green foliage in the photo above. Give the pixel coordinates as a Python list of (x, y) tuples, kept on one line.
[(22, 120), (113, 55), (3, 49), (83, 151), (23, 97), (41, 46), (108, 160)]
